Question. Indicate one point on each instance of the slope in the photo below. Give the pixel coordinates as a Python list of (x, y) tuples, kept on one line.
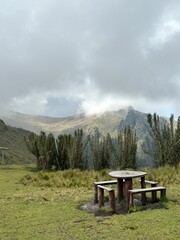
[(14, 139)]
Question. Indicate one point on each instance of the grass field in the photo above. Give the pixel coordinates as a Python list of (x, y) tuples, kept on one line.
[(44, 205)]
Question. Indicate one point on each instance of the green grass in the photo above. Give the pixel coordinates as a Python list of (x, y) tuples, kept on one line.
[(44, 205)]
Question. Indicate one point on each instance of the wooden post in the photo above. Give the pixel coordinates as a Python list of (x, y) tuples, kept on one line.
[(95, 193), (163, 193), (154, 193), (128, 186), (143, 183), (120, 189), (101, 197), (131, 199), (143, 195), (112, 200)]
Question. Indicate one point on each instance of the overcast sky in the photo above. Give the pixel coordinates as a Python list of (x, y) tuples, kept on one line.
[(60, 57)]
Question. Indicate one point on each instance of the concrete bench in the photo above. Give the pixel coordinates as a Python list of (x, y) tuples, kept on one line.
[(103, 183), (111, 197), (143, 191)]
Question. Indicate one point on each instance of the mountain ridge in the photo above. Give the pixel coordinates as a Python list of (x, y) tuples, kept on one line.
[(108, 122)]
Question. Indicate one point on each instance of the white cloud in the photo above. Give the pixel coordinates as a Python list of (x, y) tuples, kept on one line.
[(33, 103), (58, 57), (165, 31), (99, 105)]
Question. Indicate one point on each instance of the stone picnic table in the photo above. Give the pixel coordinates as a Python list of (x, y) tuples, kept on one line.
[(125, 182)]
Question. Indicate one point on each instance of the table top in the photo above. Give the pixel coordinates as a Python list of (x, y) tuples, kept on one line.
[(126, 174)]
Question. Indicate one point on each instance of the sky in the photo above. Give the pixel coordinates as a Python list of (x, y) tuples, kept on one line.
[(63, 57)]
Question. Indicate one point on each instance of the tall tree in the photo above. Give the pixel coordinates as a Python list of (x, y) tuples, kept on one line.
[(42, 150), (63, 142), (130, 147), (166, 139), (76, 156), (77, 151), (33, 146), (51, 153), (176, 153)]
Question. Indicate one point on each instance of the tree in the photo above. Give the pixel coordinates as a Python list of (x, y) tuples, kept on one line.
[(80, 151), (76, 150), (96, 149), (166, 139), (51, 153), (176, 145), (63, 142), (130, 148), (32, 144), (126, 149), (42, 150)]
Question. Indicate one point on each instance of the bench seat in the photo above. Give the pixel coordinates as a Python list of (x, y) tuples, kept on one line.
[(152, 183), (103, 183), (143, 191), (111, 197), (106, 182)]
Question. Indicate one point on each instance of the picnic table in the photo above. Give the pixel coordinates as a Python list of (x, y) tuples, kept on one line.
[(125, 182)]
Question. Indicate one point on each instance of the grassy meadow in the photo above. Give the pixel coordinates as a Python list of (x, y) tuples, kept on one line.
[(45, 205)]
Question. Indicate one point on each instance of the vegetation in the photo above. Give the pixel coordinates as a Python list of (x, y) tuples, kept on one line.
[(110, 122), (14, 139), (166, 140), (45, 205), (84, 151)]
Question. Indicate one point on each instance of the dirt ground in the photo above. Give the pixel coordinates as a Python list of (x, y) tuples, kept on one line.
[(120, 208)]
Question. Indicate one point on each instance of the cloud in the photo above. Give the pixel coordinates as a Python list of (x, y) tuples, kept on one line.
[(61, 57), (165, 32)]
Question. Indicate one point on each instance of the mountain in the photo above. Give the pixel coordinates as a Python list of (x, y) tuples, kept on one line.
[(106, 122), (110, 122), (14, 140)]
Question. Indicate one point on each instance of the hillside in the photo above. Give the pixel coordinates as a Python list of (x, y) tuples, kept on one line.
[(110, 122), (13, 139)]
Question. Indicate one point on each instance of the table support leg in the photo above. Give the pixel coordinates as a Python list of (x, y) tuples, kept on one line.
[(120, 189), (143, 195), (128, 186)]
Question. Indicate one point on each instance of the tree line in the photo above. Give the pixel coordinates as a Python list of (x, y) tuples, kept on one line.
[(95, 151), (166, 135), (79, 150)]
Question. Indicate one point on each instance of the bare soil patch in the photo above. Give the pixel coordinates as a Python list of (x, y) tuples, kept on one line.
[(120, 208)]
